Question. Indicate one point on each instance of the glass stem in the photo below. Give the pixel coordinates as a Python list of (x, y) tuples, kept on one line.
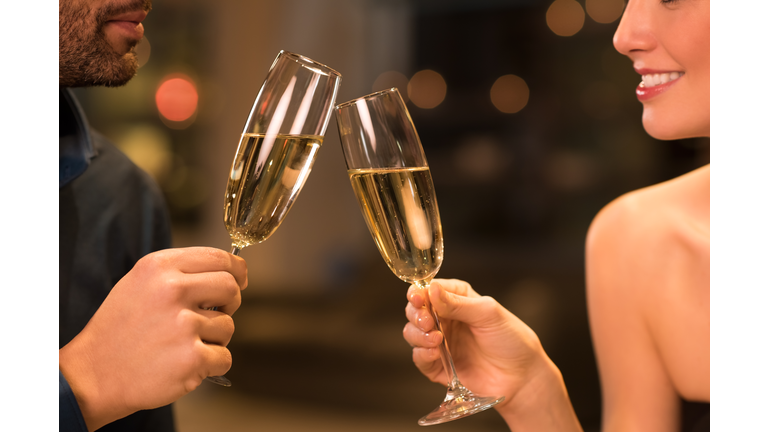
[(235, 250), (445, 353)]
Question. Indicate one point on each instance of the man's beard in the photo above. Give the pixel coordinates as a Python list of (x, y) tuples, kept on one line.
[(85, 56)]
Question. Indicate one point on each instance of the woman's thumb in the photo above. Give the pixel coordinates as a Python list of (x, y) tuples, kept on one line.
[(456, 307)]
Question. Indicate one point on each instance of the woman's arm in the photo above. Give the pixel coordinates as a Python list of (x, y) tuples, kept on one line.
[(638, 394)]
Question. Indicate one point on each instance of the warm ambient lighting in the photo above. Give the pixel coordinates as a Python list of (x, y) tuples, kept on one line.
[(605, 11), (149, 147), (391, 79), (565, 17), (509, 94), (176, 98), (427, 89)]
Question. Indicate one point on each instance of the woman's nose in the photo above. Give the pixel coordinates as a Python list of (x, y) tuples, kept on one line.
[(635, 32)]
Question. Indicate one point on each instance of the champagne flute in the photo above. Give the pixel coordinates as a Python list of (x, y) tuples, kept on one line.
[(393, 185), (278, 146)]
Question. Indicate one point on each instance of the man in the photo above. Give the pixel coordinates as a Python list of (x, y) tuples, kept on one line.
[(135, 329)]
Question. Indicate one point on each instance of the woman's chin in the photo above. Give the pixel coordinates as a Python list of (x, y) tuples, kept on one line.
[(673, 127)]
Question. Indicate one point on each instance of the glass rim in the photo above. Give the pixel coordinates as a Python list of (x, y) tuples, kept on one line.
[(303, 58), (368, 96)]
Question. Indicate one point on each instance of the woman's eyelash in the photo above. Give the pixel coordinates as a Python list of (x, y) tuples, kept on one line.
[(669, 1)]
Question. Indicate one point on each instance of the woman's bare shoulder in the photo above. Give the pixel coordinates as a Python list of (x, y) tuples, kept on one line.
[(672, 211)]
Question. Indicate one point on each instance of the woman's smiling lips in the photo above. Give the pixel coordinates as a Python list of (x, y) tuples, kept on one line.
[(655, 82)]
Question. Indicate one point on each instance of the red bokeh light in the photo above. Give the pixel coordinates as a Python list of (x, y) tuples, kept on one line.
[(176, 98)]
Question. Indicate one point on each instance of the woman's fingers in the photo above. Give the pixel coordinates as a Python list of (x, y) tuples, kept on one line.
[(455, 286), (474, 311), (420, 317), (428, 362), (418, 338), (415, 296)]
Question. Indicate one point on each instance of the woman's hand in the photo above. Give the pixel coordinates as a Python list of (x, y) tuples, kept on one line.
[(492, 349), (494, 354)]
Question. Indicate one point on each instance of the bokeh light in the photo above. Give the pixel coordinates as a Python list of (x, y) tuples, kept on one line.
[(391, 79), (481, 159), (509, 94), (565, 17), (605, 11), (427, 89), (176, 98), (571, 171), (148, 147), (143, 50)]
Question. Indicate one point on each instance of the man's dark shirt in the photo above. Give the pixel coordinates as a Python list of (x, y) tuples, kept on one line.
[(111, 213)]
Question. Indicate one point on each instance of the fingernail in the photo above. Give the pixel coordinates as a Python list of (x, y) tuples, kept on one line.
[(432, 338), (421, 321)]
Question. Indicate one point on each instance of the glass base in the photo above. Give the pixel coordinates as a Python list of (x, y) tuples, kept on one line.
[(458, 403), (220, 380)]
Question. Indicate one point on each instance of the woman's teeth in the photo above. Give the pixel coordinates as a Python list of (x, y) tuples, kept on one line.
[(652, 80)]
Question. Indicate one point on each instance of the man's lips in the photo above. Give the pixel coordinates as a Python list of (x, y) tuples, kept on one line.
[(133, 16), (128, 24)]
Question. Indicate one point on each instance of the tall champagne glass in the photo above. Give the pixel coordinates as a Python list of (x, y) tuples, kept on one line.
[(280, 141), (392, 182)]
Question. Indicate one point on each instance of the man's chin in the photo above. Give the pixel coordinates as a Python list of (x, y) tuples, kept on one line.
[(115, 72)]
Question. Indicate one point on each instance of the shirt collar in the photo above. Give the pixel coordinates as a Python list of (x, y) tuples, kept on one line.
[(75, 143)]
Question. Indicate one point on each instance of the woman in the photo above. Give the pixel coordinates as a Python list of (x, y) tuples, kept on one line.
[(647, 268)]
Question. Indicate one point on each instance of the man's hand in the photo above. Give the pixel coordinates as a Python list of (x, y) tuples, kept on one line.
[(153, 339)]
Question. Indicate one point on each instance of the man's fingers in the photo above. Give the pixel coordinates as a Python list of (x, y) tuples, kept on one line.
[(212, 289), (202, 260), (217, 360), (217, 328)]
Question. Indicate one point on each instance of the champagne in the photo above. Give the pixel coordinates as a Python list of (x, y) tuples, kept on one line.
[(267, 175), (400, 209)]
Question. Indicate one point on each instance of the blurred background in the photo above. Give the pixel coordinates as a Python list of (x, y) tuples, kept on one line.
[(530, 124)]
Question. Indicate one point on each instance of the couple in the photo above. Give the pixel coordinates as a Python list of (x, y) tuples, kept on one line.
[(135, 313)]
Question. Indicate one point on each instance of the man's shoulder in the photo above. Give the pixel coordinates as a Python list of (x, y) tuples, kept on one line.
[(115, 190), (110, 160), (111, 171)]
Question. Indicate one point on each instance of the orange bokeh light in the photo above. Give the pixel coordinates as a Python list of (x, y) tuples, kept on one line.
[(392, 79), (565, 17), (176, 98), (605, 11), (427, 89), (510, 94)]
